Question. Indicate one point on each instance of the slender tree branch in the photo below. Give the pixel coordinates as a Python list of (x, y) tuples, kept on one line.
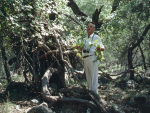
[(141, 37), (77, 22)]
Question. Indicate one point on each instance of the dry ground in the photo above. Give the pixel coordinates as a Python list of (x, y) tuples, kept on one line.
[(116, 93)]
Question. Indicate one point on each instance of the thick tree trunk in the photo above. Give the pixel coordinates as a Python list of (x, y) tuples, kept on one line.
[(5, 62), (75, 8), (95, 18), (130, 65)]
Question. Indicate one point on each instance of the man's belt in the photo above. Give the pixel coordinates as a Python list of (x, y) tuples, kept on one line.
[(86, 56)]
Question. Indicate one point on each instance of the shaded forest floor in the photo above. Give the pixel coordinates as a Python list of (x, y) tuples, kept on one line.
[(121, 95)]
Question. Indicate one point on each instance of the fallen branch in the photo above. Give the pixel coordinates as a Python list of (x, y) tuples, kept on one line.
[(87, 103), (53, 99), (94, 96)]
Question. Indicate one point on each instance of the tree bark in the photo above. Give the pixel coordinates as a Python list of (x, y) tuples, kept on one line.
[(133, 46), (95, 18), (115, 5), (75, 8), (5, 61), (130, 65), (45, 83), (141, 37), (46, 95), (143, 57)]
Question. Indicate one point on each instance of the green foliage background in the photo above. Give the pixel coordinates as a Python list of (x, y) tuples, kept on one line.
[(119, 30)]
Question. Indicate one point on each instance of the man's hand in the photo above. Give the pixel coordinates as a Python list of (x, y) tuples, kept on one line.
[(100, 49), (79, 48)]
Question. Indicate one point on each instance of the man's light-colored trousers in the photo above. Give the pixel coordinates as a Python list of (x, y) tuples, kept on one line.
[(91, 71)]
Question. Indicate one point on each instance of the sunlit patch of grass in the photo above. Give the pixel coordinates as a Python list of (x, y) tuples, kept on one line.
[(7, 106)]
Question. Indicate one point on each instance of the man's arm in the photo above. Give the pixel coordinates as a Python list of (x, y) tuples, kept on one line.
[(100, 46)]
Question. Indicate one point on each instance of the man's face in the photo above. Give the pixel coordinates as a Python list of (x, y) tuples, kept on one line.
[(90, 28)]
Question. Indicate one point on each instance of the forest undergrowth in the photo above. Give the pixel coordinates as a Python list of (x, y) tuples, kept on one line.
[(120, 95)]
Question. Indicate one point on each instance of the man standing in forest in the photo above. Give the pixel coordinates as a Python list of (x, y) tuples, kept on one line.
[(90, 61)]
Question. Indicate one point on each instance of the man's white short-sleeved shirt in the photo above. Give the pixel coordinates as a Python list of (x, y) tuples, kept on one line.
[(93, 39)]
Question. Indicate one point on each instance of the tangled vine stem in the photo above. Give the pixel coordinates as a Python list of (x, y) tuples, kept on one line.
[(95, 104), (46, 95)]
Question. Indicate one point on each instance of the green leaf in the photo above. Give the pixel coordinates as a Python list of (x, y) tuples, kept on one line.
[(78, 54), (96, 53), (74, 45), (75, 50), (90, 45), (95, 41)]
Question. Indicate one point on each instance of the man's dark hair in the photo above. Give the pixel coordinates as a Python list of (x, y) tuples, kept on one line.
[(91, 23)]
